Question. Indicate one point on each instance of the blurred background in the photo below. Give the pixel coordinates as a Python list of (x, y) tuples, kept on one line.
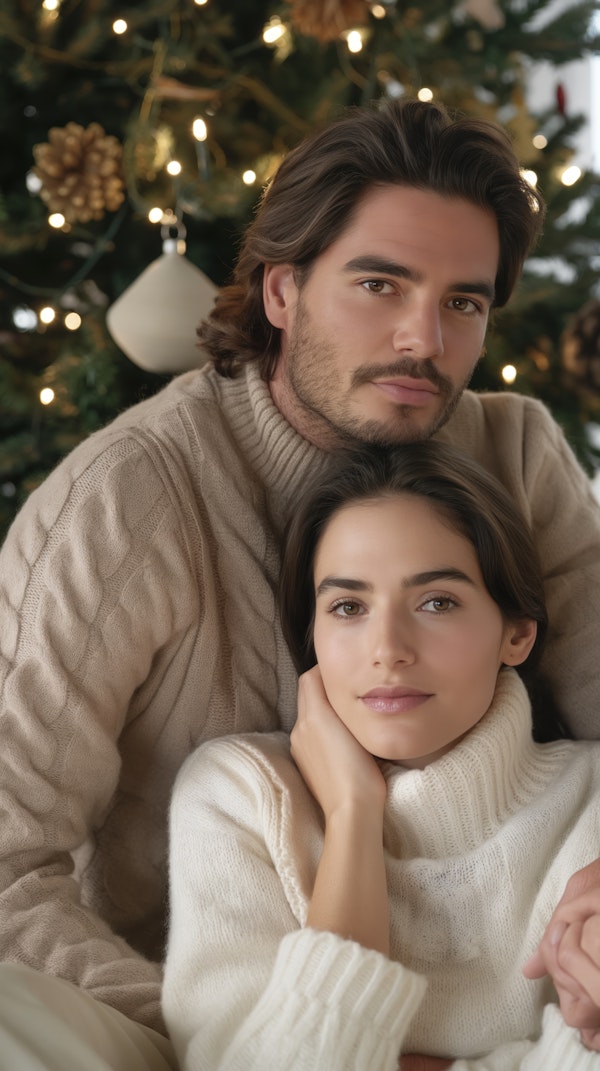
[(136, 141)]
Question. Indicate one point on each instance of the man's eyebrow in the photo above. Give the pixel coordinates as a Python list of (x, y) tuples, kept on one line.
[(430, 576), (383, 266)]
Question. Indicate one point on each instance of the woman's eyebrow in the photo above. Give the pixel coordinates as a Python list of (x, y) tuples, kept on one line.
[(430, 576)]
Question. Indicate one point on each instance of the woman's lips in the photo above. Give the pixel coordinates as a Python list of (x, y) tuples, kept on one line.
[(394, 700)]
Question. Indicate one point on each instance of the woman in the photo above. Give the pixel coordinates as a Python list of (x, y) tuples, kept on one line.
[(375, 888)]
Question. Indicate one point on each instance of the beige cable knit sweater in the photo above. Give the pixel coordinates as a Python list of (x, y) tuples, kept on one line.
[(137, 619), (478, 847)]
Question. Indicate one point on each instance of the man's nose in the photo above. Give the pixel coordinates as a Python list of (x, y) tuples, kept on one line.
[(418, 330)]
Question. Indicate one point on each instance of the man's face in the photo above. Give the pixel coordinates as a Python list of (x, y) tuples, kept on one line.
[(383, 336)]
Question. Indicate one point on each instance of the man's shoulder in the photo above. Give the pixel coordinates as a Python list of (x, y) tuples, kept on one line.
[(501, 418)]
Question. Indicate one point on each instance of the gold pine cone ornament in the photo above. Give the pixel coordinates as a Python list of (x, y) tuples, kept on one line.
[(81, 171)]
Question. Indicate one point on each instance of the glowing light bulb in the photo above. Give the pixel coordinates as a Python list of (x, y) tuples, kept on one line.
[(200, 3), (273, 30), (47, 395), (570, 175), (529, 176), (24, 318), (47, 314), (119, 26), (378, 11), (57, 220), (174, 167), (354, 41), (199, 129), (509, 373), (540, 141), (155, 214), (51, 5), (425, 94), (72, 321), (249, 177)]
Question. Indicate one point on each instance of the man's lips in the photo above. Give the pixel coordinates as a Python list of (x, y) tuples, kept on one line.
[(394, 699), (407, 391)]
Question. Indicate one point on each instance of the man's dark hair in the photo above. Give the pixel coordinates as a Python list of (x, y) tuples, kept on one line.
[(320, 184)]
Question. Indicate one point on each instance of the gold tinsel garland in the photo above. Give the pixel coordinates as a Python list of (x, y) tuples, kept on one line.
[(327, 19), (81, 171)]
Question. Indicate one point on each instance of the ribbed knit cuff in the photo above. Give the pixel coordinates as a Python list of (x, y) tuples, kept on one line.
[(560, 1047), (360, 1002)]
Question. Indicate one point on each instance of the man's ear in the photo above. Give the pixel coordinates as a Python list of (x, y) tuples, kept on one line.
[(280, 294), (518, 641)]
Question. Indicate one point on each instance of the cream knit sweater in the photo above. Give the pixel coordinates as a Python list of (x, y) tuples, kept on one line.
[(478, 847), (137, 619)]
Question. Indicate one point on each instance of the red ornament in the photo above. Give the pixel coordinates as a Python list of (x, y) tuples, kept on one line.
[(561, 99)]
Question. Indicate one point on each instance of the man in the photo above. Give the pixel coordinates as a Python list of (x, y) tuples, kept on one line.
[(138, 599)]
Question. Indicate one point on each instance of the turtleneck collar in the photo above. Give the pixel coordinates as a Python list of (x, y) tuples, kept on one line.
[(461, 799), (281, 458)]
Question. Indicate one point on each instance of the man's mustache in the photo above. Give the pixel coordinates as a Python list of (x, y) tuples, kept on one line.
[(405, 366)]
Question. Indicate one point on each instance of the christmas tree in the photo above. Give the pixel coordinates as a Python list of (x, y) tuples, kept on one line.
[(127, 127)]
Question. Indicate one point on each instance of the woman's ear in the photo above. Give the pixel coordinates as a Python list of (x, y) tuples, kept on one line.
[(280, 294), (518, 641)]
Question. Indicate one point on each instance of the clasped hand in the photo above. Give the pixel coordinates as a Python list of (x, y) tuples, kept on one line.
[(570, 953)]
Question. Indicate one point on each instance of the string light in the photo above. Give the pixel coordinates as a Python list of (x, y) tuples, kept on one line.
[(354, 41), (425, 94), (249, 177), (378, 11), (540, 141), (47, 314), (47, 395), (273, 30), (119, 26), (570, 175), (200, 3), (155, 214), (51, 5), (174, 167), (199, 129), (24, 318), (529, 176), (57, 220), (509, 373), (72, 321)]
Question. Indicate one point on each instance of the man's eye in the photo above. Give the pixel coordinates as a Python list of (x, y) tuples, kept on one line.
[(376, 286)]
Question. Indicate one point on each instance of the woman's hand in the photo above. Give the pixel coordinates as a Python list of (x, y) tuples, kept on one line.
[(570, 953), (350, 892), (336, 768)]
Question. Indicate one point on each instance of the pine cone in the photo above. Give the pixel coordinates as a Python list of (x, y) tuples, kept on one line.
[(81, 172), (327, 19)]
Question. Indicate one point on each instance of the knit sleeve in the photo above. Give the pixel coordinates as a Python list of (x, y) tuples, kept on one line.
[(565, 519), (245, 988), (81, 620), (558, 1049)]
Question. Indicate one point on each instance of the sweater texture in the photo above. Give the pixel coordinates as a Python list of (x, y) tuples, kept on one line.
[(478, 847), (138, 619)]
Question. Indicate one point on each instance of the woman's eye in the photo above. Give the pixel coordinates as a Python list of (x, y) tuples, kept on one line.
[(347, 609), (440, 604)]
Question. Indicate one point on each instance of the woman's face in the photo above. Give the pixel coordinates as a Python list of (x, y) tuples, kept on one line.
[(407, 637)]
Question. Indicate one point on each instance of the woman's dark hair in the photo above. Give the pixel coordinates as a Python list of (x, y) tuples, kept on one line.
[(320, 183), (473, 502)]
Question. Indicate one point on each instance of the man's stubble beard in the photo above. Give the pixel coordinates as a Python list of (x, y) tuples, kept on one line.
[(329, 421)]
